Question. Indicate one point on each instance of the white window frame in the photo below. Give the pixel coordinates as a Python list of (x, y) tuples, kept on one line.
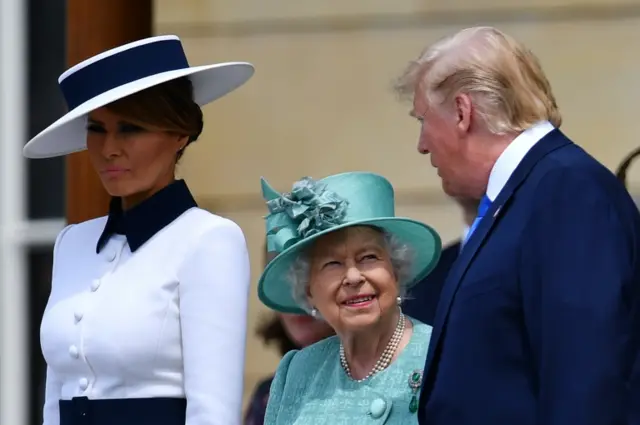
[(17, 232)]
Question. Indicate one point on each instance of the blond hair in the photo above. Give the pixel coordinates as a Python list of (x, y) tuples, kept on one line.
[(504, 79)]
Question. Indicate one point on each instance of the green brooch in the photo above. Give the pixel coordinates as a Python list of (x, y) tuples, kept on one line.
[(415, 381)]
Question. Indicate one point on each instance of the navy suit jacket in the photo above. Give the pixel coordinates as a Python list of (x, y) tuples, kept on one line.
[(538, 321), (422, 299)]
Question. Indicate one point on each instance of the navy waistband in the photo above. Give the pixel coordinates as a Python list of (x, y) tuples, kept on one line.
[(123, 411)]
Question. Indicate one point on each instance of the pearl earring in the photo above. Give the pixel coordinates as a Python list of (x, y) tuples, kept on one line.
[(314, 312), (399, 300)]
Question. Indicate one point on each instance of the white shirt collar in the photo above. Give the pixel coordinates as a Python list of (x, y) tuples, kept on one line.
[(465, 232), (509, 160)]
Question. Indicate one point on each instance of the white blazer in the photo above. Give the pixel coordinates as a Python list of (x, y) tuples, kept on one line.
[(168, 320)]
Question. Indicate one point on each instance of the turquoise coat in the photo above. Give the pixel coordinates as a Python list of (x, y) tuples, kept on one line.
[(311, 388)]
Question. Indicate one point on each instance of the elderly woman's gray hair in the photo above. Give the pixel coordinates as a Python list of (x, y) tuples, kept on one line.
[(401, 256)]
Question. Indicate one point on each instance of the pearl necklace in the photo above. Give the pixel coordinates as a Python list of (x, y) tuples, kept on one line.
[(385, 359)]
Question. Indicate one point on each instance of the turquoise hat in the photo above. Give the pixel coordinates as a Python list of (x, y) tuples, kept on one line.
[(315, 208)]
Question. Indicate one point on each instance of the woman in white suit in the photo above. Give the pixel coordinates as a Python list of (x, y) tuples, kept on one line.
[(146, 320)]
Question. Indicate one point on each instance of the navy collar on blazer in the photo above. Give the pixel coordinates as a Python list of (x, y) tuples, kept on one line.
[(141, 222), (552, 141)]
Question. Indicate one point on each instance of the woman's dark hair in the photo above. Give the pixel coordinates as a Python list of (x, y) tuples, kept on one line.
[(271, 331), (621, 172), (166, 107)]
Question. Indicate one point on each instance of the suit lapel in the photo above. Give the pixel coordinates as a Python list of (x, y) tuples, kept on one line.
[(552, 141)]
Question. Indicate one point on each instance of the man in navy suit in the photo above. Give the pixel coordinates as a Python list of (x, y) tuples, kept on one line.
[(423, 299), (539, 319)]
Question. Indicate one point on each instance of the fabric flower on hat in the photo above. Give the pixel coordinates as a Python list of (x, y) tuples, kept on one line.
[(308, 209)]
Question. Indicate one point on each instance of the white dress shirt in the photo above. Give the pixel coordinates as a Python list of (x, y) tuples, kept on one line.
[(509, 160), (168, 320)]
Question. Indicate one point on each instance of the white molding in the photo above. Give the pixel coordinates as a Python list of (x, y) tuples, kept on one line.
[(39, 232), (14, 372)]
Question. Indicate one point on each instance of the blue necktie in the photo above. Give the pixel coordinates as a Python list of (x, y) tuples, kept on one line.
[(484, 206)]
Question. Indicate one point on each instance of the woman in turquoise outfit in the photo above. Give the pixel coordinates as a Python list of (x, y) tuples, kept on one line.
[(346, 258)]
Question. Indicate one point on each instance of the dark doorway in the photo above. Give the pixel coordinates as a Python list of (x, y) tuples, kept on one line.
[(45, 177)]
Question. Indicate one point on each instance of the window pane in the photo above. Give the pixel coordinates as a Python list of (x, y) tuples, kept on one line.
[(46, 61), (39, 262)]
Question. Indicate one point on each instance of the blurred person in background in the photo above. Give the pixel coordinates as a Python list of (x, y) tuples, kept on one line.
[(288, 332), (346, 258), (422, 301), (538, 321), (146, 320)]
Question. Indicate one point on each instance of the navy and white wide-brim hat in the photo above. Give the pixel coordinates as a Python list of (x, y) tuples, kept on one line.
[(120, 72)]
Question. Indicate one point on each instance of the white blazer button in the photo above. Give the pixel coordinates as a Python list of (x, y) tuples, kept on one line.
[(83, 383), (95, 285), (78, 316), (73, 352)]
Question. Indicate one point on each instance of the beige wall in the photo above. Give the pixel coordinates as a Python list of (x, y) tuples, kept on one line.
[(320, 101)]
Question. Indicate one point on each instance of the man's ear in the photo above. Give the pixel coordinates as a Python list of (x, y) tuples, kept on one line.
[(463, 110)]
